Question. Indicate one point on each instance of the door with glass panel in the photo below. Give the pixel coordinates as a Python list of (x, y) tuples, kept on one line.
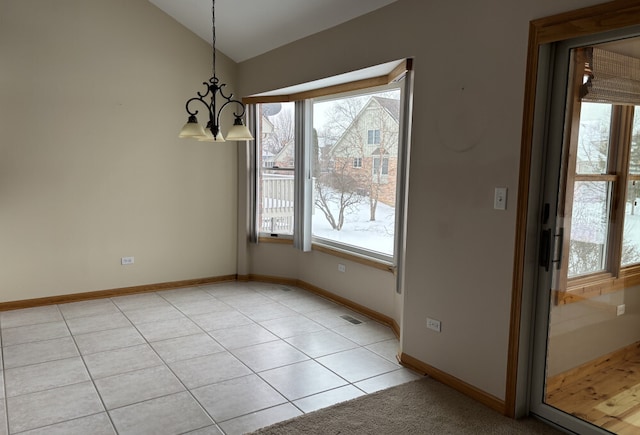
[(587, 368)]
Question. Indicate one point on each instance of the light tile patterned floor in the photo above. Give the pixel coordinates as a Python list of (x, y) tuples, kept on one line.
[(217, 359)]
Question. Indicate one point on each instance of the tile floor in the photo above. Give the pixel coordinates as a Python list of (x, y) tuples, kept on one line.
[(218, 359)]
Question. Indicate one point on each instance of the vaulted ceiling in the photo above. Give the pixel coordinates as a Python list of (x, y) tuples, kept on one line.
[(248, 28)]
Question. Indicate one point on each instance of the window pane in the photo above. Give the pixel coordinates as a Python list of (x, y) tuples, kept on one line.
[(631, 234), (373, 137), (593, 138), (276, 154), (353, 205), (589, 227)]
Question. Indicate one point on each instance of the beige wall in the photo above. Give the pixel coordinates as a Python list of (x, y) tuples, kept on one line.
[(469, 61), (92, 98), (364, 285), (583, 331)]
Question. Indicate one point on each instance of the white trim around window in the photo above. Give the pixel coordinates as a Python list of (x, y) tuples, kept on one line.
[(334, 167)]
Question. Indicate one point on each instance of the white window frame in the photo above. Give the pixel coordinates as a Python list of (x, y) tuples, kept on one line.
[(385, 164), (373, 136), (302, 238)]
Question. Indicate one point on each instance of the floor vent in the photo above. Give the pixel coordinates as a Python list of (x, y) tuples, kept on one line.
[(351, 319)]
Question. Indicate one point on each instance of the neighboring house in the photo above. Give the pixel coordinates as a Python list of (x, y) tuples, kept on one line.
[(368, 149), (285, 158)]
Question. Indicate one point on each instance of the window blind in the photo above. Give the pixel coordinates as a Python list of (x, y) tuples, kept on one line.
[(611, 77)]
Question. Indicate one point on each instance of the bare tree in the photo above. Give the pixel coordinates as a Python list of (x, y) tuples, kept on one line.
[(337, 187), (336, 193), (362, 161), (633, 190), (283, 132)]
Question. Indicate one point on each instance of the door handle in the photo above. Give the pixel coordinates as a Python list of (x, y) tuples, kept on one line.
[(544, 258)]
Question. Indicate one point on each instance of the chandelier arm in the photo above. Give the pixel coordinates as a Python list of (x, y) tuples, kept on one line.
[(234, 113), (208, 88), (222, 93), (190, 100), (230, 99)]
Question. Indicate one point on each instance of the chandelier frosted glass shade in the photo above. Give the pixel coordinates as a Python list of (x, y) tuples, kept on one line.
[(192, 129), (239, 131)]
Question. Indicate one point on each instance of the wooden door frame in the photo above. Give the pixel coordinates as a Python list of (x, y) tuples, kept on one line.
[(582, 22)]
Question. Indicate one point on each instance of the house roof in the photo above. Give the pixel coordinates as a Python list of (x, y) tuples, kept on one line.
[(391, 105)]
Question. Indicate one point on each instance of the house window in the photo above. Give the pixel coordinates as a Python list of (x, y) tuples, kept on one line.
[(602, 219), (373, 137), (349, 160), (380, 171), (275, 181)]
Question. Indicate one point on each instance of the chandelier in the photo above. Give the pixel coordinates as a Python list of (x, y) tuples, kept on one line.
[(212, 133)]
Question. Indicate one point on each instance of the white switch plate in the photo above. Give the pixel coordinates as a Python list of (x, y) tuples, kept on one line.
[(620, 309), (341, 267), (500, 198), (126, 260)]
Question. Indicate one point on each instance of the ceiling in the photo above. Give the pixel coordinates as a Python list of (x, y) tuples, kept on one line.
[(248, 28)]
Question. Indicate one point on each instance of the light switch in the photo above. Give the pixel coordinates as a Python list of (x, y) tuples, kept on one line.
[(500, 198)]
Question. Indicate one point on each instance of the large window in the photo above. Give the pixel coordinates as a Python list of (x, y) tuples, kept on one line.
[(357, 209), (329, 169), (276, 152), (603, 176)]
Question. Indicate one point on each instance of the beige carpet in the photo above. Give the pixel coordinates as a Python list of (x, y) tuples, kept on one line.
[(421, 407)]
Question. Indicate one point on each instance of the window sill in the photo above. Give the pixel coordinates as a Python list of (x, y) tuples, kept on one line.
[(598, 285), (281, 239)]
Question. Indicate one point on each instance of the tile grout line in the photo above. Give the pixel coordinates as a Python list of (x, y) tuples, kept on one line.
[(95, 387), (310, 358), (209, 291), (166, 364), (217, 424), (255, 373), (53, 388)]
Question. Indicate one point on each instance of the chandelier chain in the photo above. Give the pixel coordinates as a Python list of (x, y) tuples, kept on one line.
[(214, 89), (213, 34)]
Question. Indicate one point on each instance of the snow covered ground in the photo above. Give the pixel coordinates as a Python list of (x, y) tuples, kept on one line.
[(358, 230)]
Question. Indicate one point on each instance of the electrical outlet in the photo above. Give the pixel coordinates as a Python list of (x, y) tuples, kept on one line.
[(433, 324), (342, 267), (126, 260), (620, 309)]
